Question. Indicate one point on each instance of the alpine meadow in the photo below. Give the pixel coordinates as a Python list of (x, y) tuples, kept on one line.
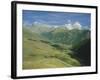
[(55, 39)]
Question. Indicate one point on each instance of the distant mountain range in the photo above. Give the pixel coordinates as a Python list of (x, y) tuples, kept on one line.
[(66, 34), (68, 26)]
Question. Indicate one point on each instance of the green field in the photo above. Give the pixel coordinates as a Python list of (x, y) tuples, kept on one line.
[(50, 49)]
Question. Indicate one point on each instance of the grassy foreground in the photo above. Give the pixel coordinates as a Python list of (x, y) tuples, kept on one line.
[(40, 53)]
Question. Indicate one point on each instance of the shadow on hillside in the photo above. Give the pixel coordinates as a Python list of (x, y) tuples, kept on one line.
[(83, 52)]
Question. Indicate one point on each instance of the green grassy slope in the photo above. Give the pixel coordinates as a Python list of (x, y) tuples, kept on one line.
[(38, 53)]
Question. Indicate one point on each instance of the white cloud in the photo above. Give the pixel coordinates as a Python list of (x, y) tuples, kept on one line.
[(55, 26), (77, 25), (71, 26), (36, 22)]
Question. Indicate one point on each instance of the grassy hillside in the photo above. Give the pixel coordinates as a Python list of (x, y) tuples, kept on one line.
[(39, 52)]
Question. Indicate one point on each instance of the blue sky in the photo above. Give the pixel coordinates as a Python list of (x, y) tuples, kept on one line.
[(55, 18)]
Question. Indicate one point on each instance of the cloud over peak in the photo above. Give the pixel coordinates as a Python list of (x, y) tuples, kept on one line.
[(75, 25)]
